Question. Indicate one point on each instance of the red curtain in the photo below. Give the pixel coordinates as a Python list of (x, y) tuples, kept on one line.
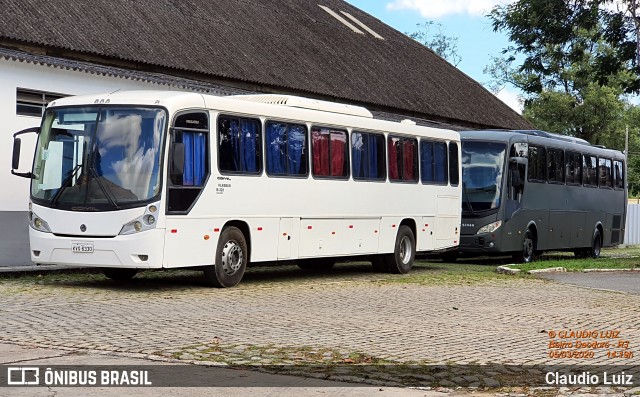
[(393, 159), (408, 157), (320, 149), (338, 142)]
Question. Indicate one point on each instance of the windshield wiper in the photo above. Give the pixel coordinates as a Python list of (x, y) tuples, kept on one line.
[(466, 197), (64, 184), (107, 192)]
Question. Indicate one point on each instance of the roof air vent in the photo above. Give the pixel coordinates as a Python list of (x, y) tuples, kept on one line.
[(306, 103)]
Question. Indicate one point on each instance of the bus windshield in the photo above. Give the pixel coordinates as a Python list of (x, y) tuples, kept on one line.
[(99, 158), (482, 170)]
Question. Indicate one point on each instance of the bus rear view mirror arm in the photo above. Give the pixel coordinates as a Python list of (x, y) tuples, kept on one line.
[(17, 144)]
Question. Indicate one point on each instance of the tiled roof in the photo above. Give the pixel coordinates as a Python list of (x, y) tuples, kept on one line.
[(287, 45)]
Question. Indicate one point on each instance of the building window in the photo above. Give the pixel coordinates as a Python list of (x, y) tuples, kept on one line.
[(555, 162), (330, 152), (33, 103), (368, 156), (239, 145), (433, 159), (537, 164), (286, 147), (403, 159)]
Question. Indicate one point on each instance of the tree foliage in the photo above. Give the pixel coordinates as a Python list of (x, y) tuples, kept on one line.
[(431, 35), (576, 61)]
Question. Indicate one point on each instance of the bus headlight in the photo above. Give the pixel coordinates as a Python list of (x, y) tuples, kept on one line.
[(490, 228), (142, 223), (38, 223)]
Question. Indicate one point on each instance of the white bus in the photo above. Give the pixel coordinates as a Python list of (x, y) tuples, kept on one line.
[(147, 180)]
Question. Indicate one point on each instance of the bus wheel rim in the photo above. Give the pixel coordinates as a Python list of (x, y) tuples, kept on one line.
[(405, 250), (232, 257)]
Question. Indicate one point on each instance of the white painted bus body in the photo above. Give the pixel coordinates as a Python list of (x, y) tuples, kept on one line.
[(287, 218)]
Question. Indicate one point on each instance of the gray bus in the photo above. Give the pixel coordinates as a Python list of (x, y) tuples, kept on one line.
[(526, 192)]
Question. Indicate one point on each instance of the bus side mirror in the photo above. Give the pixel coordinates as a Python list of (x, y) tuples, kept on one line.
[(15, 160), (177, 161), (17, 144)]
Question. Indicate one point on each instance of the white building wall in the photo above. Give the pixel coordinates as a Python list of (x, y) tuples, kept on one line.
[(14, 191)]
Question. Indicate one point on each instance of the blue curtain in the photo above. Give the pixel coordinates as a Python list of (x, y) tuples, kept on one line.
[(372, 154), (357, 148), (194, 158), (296, 143), (426, 160), (276, 140), (440, 157)]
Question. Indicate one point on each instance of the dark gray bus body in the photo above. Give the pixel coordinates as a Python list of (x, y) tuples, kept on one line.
[(561, 215)]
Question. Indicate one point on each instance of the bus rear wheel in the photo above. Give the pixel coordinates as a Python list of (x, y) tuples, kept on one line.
[(596, 245), (401, 261), (119, 274), (231, 260), (527, 253)]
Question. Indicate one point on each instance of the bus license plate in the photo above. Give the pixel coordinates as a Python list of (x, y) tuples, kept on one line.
[(82, 248)]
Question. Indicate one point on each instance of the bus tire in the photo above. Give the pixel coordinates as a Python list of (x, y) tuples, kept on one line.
[(528, 251), (401, 261), (231, 260), (596, 245), (119, 274), (317, 264)]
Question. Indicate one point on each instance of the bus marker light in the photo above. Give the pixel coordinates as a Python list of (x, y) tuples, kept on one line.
[(350, 226), (393, 225), (259, 228), (174, 231), (333, 232), (284, 234), (216, 230), (206, 237), (309, 227)]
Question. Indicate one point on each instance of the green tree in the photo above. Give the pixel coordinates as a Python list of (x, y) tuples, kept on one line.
[(576, 63), (431, 35)]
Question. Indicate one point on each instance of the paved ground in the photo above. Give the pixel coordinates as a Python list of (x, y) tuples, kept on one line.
[(284, 316), (614, 281)]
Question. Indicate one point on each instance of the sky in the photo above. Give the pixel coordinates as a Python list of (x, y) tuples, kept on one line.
[(464, 19)]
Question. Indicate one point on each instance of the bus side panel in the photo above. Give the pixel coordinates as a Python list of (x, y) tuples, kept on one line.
[(360, 236), (388, 233), (263, 233), (186, 243), (426, 228), (320, 237)]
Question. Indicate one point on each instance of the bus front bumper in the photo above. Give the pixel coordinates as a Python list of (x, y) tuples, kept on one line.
[(140, 251), (479, 244)]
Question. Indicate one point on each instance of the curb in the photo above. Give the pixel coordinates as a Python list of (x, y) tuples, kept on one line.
[(507, 269)]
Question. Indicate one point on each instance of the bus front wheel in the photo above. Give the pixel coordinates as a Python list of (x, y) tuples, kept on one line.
[(527, 253), (401, 261), (231, 260)]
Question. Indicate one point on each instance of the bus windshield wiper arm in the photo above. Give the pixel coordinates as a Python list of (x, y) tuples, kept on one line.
[(64, 184), (104, 188), (466, 198)]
